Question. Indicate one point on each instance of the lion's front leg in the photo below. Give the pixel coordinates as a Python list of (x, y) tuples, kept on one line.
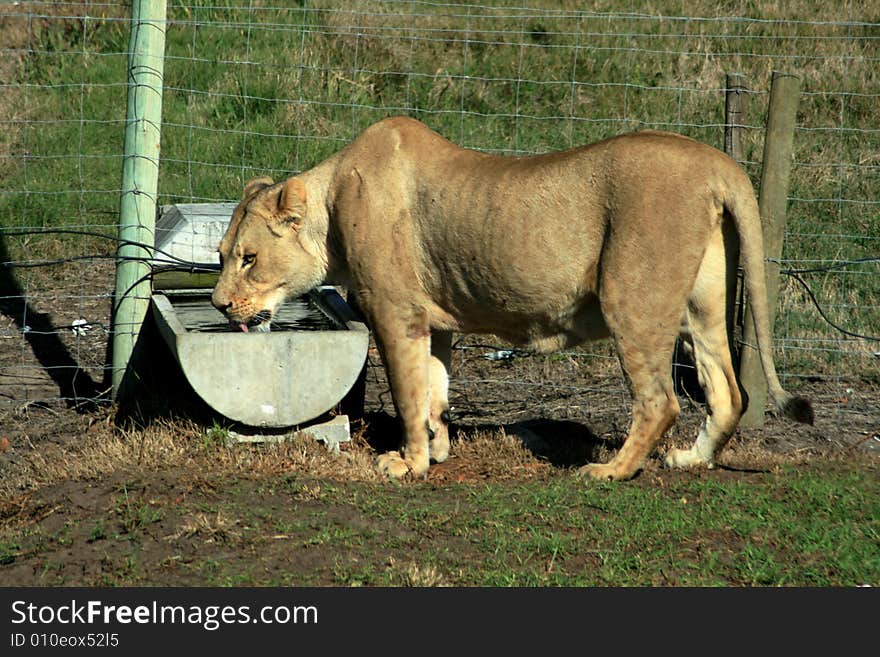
[(438, 394), (404, 342)]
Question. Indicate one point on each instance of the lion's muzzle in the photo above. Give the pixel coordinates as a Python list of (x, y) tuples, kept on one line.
[(261, 323), (240, 316)]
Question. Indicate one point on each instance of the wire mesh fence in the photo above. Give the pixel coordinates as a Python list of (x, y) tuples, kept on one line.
[(265, 88)]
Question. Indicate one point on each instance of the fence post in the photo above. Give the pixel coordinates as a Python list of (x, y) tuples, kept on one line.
[(735, 109), (684, 374), (140, 176), (735, 106), (775, 175)]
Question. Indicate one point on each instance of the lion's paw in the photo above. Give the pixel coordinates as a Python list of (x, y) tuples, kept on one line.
[(438, 447), (396, 466), (686, 458), (604, 472)]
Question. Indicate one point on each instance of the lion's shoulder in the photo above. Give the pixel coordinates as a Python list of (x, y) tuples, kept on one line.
[(400, 133)]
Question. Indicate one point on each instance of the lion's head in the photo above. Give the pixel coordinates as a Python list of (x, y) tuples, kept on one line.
[(268, 254)]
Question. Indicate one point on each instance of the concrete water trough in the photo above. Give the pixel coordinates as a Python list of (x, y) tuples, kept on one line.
[(311, 360)]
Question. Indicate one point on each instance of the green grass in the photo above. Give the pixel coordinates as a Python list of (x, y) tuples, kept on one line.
[(8, 551), (807, 525), (275, 90), (133, 514), (796, 529)]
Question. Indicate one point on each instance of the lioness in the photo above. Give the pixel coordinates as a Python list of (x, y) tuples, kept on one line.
[(635, 237)]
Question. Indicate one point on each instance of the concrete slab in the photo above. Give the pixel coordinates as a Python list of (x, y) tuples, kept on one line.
[(332, 432)]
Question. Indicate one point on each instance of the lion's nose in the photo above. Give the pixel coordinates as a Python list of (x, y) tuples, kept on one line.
[(220, 303)]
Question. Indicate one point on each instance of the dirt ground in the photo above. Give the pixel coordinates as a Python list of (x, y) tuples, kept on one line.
[(71, 470)]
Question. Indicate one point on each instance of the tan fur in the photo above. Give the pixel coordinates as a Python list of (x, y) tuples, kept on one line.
[(635, 237)]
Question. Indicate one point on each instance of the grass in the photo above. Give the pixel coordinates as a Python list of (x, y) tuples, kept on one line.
[(132, 515), (296, 514), (558, 533), (699, 533)]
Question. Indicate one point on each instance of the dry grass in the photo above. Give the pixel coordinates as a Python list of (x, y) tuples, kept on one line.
[(414, 575), (209, 527), (170, 444), (496, 454), (480, 455), (14, 36)]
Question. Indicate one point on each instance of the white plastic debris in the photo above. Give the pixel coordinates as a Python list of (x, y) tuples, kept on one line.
[(501, 354), (80, 326)]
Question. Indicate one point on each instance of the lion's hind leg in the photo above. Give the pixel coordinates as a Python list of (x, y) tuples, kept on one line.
[(707, 322), (655, 408), (642, 297), (723, 397)]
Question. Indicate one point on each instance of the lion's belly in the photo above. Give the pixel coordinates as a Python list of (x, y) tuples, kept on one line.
[(514, 260), (542, 321)]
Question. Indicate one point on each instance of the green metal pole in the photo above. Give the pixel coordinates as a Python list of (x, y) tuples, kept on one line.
[(773, 201), (140, 178)]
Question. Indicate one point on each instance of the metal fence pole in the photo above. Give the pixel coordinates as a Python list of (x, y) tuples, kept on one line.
[(775, 175), (140, 176)]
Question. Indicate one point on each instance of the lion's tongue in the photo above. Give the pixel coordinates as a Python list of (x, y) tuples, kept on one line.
[(243, 327)]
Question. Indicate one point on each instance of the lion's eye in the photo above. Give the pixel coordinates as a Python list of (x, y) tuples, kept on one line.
[(247, 260)]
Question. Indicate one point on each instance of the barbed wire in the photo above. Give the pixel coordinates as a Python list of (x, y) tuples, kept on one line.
[(834, 267), (91, 233)]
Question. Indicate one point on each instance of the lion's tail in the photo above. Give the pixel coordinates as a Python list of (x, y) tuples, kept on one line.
[(743, 207)]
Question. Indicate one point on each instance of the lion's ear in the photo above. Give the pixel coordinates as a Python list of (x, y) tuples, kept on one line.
[(254, 185), (292, 201)]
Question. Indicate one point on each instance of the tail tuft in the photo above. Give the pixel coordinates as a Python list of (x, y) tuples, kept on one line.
[(798, 409)]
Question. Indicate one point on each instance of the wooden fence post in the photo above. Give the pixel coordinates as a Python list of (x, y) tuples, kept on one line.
[(684, 373), (735, 107), (140, 176), (775, 175)]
